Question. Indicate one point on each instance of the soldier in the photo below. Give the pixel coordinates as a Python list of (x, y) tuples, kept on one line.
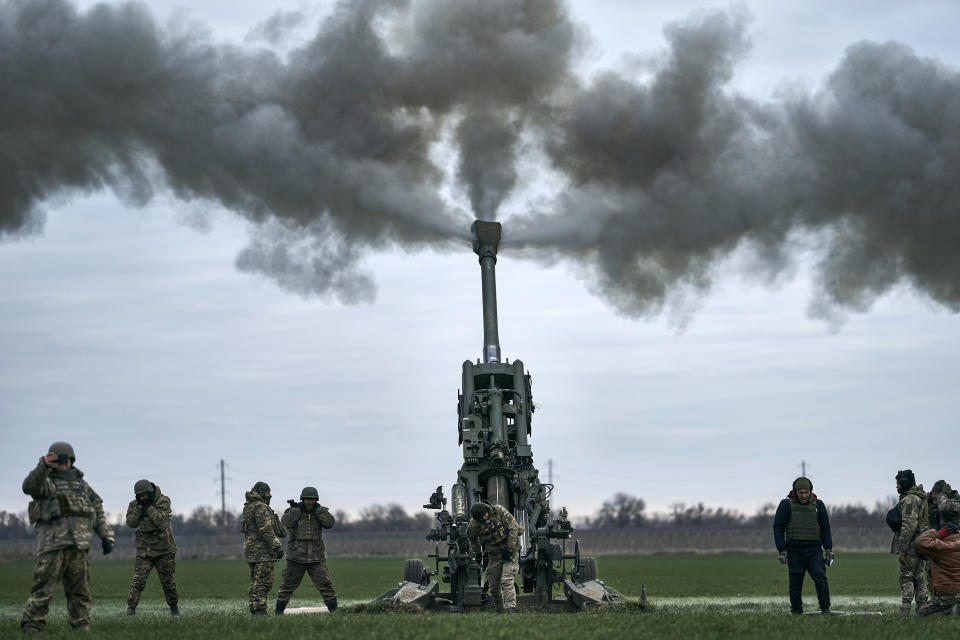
[(149, 514), (943, 549), (261, 544), (65, 510), (947, 501), (800, 528), (492, 530), (914, 518), (306, 521)]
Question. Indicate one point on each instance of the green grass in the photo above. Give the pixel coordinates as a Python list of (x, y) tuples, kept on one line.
[(700, 596)]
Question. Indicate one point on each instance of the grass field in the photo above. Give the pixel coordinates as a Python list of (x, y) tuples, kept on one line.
[(703, 596)]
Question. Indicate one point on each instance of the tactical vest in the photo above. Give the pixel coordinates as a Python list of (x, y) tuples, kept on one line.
[(803, 523), (308, 527), (70, 498)]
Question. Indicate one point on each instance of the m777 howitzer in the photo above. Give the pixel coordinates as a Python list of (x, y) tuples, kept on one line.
[(495, 410)]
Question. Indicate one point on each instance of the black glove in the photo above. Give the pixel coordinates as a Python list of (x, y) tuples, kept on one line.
[(478, 558), (279, 553), (506, 555), (107, 546)]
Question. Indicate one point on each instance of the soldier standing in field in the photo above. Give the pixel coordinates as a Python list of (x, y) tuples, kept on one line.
[(306, 521), (65, 510), (261, 544), (801, 528), (494, 531), (914, 518), (149, 514)]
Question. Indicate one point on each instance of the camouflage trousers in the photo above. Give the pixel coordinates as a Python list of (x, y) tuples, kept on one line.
[(293, 574), (501, 576), (165, 564), (261, 582), (70, 566), (912, 583), (940, 604)]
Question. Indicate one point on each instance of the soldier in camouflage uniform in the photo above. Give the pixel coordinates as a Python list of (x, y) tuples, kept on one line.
[(261, 544), (492, 530), (914, 518), (306, 521), (149, 514), (65, 510), (948, 503)]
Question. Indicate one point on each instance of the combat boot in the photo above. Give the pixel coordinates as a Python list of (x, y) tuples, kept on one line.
[(905, 609), (174, 610), (510, 610), (131, 609), (258, 612), (331, 604), (281, 605)]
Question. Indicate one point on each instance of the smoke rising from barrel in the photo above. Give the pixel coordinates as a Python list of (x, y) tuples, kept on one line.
[(349, 144)]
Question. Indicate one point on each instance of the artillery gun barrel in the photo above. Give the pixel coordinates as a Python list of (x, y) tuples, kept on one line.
[(486, 240)]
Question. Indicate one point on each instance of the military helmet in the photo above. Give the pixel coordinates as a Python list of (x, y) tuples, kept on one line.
[(61, 448), (478, 510), (938, 486), (261, 488), (143, 486), (309, 493)]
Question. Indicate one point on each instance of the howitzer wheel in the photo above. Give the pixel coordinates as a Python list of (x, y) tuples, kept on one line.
[(413, 571), (587, 570)]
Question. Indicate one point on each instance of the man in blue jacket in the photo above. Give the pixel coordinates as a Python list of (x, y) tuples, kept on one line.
[(800, 529)]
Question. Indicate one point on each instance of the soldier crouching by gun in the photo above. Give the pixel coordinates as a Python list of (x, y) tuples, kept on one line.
[(149, 514), (497, 533), (306, 521), (262, 531)]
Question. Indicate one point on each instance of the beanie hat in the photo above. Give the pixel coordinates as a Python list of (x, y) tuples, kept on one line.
[(802, 484), (938, 486)]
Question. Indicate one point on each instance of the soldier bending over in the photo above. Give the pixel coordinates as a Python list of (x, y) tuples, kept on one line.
[(494, 531)]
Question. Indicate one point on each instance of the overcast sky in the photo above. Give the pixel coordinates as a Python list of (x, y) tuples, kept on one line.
[(129, 330)]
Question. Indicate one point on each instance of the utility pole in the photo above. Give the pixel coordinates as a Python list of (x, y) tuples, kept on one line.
[(223, 494), (803, 468)]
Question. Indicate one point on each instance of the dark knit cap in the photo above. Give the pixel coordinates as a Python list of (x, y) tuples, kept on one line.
[(938, 486), (802, 484), (478, 510)]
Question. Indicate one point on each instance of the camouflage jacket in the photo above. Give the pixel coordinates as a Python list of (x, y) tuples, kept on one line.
[(261, 530), (64, 509), (949, 506), (501, 532), (306, 532), (915, 518), (154, 534)]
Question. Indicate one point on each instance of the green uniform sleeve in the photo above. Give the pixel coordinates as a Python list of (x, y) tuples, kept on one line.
[(100, 524), (134, 514), (910, 514), (35, 484), (290, 517), (325, 518), (264, 527), (159, 512)]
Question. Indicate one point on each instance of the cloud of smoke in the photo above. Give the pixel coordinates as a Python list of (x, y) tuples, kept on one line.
[(328, 149)]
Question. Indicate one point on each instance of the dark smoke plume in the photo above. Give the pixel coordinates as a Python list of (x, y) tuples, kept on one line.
[(343, 145)]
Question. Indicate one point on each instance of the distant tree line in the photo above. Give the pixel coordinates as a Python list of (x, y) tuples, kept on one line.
[(624, 510), (620, 512)]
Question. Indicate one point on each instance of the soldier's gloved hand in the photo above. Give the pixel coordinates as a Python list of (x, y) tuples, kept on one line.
[(107, 546), (829, 557), (782, 557), (505, 555), (279, 553), (478, 558)]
